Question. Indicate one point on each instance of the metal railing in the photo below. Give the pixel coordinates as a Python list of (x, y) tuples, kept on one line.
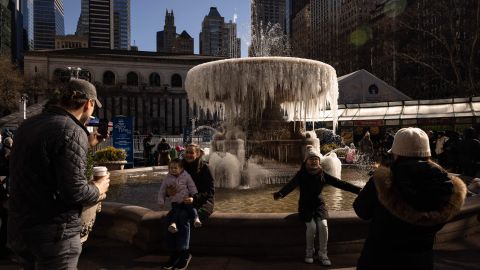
[(173, 140)]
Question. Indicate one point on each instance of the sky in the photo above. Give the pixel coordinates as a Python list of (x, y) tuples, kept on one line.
[(148, 17)]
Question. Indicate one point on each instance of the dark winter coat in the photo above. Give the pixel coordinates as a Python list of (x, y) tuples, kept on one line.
[(204, 200), (311, 203), (48, 182), (163, 151), (469, 153), (147, 147), (406, 205), (4, 160)]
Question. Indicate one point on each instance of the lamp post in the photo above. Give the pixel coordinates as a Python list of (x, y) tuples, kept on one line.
[(23, 105), (194, 119)]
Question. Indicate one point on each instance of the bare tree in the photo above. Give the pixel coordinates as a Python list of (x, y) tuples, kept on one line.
[(437, 43), (38, 87), (11, 86)]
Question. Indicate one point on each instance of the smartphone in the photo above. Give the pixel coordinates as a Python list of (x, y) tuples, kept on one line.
[(103, 128)]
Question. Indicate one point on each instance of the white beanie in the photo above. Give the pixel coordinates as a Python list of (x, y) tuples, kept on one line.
[(8, 142), (311, 152), (411, 142)]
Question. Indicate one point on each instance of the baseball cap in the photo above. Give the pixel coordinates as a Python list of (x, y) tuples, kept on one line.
[(84, 87)]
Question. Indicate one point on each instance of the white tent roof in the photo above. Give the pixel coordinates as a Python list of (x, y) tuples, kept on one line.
[(411, 109)]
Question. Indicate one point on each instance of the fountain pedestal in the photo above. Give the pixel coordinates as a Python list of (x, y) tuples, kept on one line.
[(235, 147)]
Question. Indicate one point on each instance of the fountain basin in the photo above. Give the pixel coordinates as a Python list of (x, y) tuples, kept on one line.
[(257, 234), (141, 188)]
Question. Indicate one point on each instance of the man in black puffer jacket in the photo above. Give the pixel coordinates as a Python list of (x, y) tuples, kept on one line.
[(407, 204), (48, 180)]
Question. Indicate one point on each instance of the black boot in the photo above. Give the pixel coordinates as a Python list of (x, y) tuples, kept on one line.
[(169, 265), (183, 260)]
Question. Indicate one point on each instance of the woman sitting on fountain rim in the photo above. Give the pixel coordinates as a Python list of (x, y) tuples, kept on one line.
[(311, 179), (407, 204), (179, 243)]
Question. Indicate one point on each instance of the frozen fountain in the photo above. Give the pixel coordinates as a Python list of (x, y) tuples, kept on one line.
[(264, 102)]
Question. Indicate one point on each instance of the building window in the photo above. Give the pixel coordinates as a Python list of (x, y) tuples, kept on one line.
[(176, 80), (108, 78), (132, 79), (373, 89), (154, 79)]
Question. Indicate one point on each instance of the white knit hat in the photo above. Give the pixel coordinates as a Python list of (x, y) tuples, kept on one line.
[(411, 142), (311, 152), (8, 141)]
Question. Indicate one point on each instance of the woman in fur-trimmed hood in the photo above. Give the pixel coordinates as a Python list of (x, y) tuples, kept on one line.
[(407, 204)]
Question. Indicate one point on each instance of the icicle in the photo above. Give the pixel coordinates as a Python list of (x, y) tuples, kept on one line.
[(241, 87)]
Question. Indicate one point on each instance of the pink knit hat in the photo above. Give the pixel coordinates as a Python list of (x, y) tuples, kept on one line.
[(411, 142)]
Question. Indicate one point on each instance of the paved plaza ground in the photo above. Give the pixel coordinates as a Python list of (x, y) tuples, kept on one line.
[(106, 254)]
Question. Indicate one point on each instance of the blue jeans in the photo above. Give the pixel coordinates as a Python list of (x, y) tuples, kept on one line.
[(58, 255), (181, 207), (181, 214)]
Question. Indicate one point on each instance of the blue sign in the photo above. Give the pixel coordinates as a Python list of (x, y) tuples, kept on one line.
[(123, 135)]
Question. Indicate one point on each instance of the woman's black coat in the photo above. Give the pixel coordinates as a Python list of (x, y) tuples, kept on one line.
[(311, 202), (406, 207)]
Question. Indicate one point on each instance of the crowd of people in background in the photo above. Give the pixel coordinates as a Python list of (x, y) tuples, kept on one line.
[(458, 153), (160, 154), (454, 151)]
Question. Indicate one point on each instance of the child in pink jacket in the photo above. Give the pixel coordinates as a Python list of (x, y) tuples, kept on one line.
[(185, 187)]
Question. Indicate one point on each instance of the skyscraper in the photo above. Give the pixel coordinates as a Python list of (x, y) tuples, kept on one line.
[(119, 21), (288, 15), (231, 42), (11, 30), (301, 29), (166, 38), (47, 22), (168, 41), (121, 9), (183, 43), (82, 24), (268, 19), (27, 11), (5, 28), (266, 12), (211, 37), (100, 24)]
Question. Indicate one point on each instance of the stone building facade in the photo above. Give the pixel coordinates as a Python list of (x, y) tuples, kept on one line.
[(148, 86), (70, 42)]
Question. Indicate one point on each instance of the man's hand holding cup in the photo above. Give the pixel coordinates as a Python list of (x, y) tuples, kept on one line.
[(101, 179)]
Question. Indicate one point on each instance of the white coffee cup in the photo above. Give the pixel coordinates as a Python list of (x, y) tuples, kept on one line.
[(99, 172)]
